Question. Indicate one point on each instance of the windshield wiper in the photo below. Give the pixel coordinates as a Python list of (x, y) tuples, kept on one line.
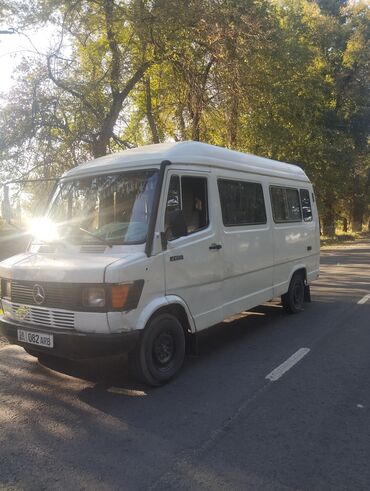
[(104, 241)]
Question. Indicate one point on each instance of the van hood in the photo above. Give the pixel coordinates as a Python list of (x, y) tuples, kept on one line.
[(64, 268)]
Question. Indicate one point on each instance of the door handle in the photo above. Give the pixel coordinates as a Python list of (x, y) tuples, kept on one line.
[(214, 247), (309, 248)]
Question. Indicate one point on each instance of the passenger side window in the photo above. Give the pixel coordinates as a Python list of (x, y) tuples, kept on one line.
[(285, 204), (188, 194), (242, 203), (306, 205), (194, 202)]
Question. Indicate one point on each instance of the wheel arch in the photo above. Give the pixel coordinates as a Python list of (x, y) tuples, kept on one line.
[(299, 268), (171, 304)]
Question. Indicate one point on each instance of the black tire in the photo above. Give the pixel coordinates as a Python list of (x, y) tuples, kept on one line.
[(43, 359), (31, 352), (47, 359), (293, 300), (160, 352)]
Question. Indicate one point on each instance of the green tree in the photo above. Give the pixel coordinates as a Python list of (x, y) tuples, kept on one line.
[(286, 79), (79, 92)]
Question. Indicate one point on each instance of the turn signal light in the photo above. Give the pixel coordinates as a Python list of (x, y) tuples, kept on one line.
[(120, 295), (126, 296)]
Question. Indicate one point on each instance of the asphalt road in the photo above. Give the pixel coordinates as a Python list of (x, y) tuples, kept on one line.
[(221, 424)]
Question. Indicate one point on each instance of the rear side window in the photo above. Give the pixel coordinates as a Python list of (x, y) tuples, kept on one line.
[(306, 205), (285, 204), (189, 194), (242, 203)]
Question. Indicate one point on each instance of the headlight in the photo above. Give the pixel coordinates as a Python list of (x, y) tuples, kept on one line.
[(120, 297), (93, 296)]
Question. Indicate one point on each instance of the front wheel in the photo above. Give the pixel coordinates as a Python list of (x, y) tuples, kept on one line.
[(31, 352), (160, 352), (293, 300)]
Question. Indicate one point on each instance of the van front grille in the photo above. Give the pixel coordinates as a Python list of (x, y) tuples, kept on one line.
[(57, 295), (41, 317)]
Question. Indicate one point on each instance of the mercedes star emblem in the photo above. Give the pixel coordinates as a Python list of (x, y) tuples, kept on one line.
[(38, 294)]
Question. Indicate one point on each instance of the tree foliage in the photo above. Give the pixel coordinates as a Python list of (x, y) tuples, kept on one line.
[(286, 79)]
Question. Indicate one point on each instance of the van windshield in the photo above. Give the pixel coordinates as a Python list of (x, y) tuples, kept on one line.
[(114, 207)]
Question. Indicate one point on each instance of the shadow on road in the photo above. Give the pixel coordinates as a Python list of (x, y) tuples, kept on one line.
[(78, 407), (91, 426), (114, 371), (344, 274), (231, 331)]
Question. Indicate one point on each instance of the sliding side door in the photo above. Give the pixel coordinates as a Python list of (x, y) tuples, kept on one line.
[(247, 240)]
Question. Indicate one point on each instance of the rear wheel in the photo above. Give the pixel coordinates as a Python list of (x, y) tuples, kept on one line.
[(293, 300), (160, 352)]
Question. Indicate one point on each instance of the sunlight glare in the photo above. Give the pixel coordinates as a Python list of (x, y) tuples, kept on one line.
[(43, 229)]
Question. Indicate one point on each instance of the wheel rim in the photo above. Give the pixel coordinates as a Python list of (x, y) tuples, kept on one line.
[(298, 293), (163, 349)]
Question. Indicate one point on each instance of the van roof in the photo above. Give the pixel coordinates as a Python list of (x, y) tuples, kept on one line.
[(188, 152)]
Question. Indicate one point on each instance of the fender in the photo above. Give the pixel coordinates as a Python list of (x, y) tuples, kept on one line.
[(282, 287), (296, 267), (160, 302)]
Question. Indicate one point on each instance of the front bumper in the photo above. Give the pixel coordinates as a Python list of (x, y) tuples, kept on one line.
[(73, 345)]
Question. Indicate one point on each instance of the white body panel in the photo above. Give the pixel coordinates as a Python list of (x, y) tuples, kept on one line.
[(295, 246), (248, 258), (255, 263), (61, 266)]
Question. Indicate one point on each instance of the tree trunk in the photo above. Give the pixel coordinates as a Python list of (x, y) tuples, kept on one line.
[(100, 145), (195, 132), (345, 224), (357, 219), (328, 221), (358, 206), (233, 99), (232, 130), (181, 122), (197, 92), (195, 111), (149, 111)]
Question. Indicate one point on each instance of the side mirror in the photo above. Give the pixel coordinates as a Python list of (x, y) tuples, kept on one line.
[(177, 227), (177, 224)]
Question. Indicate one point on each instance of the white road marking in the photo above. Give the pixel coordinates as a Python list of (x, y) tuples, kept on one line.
[(364, 299), (287, 365), (126, 392)]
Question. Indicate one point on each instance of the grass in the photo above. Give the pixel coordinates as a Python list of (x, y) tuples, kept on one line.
[(343, 238)]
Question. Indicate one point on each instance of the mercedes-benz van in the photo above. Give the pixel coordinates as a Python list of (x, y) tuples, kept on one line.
[(140, 250)]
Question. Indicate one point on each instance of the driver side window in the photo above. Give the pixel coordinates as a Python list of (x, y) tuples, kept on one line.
[(189, 194)]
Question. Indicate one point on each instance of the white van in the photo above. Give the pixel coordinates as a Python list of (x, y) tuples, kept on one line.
[(141, 250)]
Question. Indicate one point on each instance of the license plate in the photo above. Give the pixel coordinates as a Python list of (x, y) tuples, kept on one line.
[(45, 340)]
